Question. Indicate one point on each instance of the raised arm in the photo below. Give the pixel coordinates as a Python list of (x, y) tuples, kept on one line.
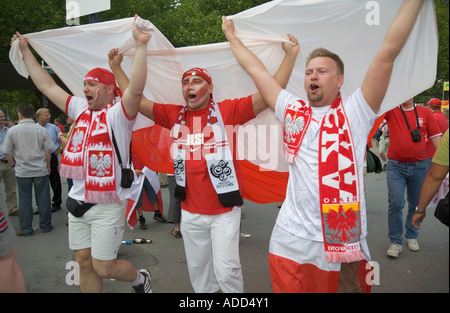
[(115, 60), (379, 73), (43, 81), (291, 50), (133, 93), (268, 86), (430, 187)]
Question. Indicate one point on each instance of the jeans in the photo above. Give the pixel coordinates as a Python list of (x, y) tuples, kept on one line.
[(151, 195), (55, 181), (42, 193), (400, 176)]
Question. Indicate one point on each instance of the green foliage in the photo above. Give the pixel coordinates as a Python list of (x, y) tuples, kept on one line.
[(183, 22)]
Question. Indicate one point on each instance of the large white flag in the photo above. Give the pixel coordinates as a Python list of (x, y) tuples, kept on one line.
[(353, 29)]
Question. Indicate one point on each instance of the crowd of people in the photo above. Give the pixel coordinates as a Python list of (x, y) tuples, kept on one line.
[(310, 250)]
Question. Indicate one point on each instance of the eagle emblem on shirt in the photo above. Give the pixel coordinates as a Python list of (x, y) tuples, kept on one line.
[(293, 126)]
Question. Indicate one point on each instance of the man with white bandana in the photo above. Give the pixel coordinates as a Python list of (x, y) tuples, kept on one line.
[(207, 172), (319, 241), (90, 160)]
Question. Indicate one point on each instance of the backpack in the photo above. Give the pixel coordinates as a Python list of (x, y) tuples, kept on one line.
[(373, 162)]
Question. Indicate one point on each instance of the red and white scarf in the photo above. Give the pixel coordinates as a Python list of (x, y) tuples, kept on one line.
[(338, 177), (216, 152), (89, 155)]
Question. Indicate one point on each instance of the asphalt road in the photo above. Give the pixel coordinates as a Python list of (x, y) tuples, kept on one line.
[(48, 267)]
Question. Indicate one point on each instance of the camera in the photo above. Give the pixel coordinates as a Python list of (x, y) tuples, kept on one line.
[(415, 134), (127, 178)]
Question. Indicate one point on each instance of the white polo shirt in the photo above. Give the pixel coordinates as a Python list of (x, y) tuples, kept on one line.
[(300, 213)]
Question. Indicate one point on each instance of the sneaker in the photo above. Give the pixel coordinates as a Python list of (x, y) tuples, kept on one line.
[(142, 222), (394, 250), (146, 286), (412, 244), (159, 217)]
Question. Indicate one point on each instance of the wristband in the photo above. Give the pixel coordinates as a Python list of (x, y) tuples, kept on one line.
[(419, 212)]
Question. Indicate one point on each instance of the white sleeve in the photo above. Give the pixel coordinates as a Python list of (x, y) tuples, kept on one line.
[(284, 98), (76, 106), (360, 114)]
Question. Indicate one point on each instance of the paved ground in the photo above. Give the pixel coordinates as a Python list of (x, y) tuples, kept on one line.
[(47, 262)]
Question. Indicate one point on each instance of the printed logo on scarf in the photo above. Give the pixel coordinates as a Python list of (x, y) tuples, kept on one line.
[(100, 163), (343, 222), (297, 116)]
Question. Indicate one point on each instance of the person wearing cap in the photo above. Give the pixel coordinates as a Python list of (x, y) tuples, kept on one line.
[(435, 107), (207, 174), (90, 159)]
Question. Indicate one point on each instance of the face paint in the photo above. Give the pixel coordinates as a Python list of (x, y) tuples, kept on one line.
[(97, 94), (196, 92)]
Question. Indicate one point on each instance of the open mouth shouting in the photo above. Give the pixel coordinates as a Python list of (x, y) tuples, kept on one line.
[(313, 87)]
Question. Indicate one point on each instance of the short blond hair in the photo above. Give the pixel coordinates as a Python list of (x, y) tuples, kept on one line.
[(322, 52), (40, 111)]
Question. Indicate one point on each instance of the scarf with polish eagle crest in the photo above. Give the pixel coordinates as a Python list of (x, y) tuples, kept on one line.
[(338, 177), (89, 155)]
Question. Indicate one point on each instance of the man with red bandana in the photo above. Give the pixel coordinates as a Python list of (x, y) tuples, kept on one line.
[(90, 160), (207, 173)]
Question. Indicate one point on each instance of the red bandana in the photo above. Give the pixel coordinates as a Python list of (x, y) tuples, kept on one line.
[(197, 71), (103, 76)]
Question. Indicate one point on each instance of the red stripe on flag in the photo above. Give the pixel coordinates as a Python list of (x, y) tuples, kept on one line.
[(152, 145), (374, 129), (263, 186)]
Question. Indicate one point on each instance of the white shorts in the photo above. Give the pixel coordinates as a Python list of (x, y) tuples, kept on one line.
[(211, 243), (100, 228)]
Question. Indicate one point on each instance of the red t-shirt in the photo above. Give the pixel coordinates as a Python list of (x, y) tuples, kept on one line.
[(442, 122), (201, 196), (401, 146)]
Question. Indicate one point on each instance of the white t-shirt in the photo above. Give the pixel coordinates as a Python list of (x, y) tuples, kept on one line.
[(300, 213), (123, 128)]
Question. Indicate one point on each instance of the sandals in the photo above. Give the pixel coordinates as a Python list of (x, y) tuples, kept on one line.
[(176, 233)]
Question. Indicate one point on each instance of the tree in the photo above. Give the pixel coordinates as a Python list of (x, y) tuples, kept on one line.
[(183, 22)]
